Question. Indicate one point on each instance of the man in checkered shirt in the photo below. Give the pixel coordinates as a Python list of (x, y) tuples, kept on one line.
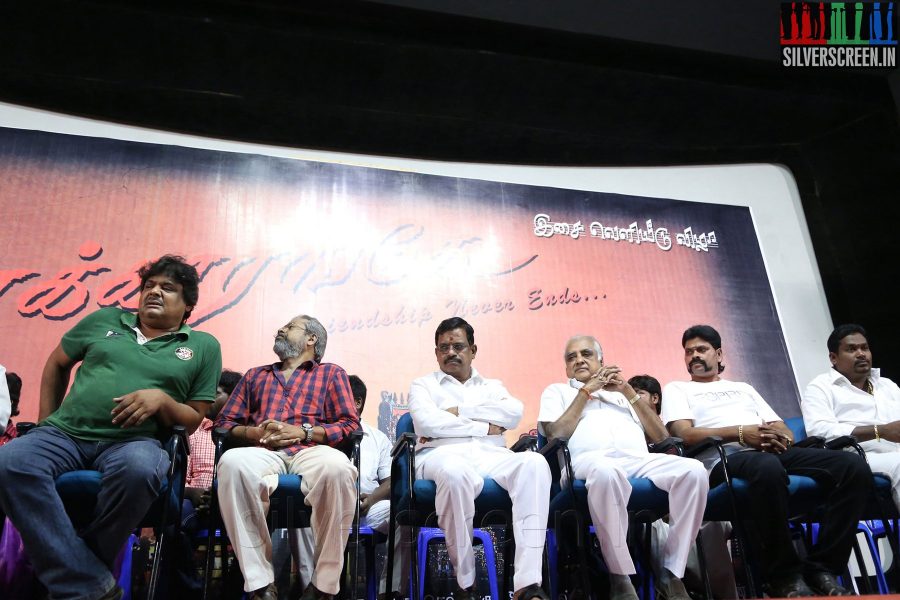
[(289, 416)]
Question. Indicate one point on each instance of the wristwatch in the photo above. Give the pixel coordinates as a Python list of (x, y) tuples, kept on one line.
[(308, 429)]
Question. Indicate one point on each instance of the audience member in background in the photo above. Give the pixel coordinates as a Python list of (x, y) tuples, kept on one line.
[(648, 388), (140, 373), (292, 414), (608, 425), (203, 454), (14, 387), (761, 451), (198, 480), (852, 398), (461, 417)]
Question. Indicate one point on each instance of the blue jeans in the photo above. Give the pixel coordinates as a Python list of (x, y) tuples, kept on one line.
[(76, 564)]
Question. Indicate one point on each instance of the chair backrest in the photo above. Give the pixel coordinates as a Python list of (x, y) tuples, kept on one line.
[(797, 427), (404, 425), (400, 471)]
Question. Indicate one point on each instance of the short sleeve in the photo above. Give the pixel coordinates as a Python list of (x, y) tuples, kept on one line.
[(552, 406), (207, 380), (75, 342), (675, 404)]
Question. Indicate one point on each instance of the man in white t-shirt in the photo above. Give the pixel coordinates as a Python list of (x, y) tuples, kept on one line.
[(608, 426), (461, 417), (852, 398), (762, 453)]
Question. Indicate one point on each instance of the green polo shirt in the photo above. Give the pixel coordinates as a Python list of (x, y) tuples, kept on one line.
[(185, 364)]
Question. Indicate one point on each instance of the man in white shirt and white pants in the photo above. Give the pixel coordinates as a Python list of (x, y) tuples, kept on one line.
[(852, 398), (460, 417), (608, 426)]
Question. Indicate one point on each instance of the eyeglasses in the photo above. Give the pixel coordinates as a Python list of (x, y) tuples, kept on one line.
[(290, 326), (457, 347)]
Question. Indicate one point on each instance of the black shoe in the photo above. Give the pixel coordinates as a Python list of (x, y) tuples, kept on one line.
[(789, 586), (531, 591), (824, 583), (464, 593)]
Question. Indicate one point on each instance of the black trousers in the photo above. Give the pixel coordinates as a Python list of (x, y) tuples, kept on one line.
[(846, 481)]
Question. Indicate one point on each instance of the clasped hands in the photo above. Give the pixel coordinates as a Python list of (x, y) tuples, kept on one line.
[(766, 438), (275, 434), (607, 377)]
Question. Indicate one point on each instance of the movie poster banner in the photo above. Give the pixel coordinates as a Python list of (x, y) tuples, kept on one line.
[(380, 257)]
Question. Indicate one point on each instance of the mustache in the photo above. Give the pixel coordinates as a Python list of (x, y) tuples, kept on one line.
[(698, 361), (452, 359)]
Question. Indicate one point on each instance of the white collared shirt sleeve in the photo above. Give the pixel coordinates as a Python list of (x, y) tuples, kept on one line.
[(5, 404), (819, 415), (495, 405), (428, 404)]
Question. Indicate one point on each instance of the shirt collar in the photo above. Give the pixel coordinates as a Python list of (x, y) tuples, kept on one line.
[(130, 320), (309, 365), (206, 424), (837, 378), (475, 377)]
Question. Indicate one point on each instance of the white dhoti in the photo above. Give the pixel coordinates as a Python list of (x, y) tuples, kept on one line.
[(608, 491), (458, 471)]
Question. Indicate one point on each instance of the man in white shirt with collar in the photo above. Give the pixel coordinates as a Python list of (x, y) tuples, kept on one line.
[(761, 451), (852, 398), (460, 417), (608, 426)]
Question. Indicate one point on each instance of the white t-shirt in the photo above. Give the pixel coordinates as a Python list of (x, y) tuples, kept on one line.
[(607, 422), (719, 403), (374, 459), (832, 407)]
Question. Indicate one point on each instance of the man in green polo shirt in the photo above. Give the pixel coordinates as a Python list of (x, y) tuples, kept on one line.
[(139, 374)]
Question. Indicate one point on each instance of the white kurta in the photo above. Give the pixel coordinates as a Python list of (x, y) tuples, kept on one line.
[(609, 446), (457, 454)]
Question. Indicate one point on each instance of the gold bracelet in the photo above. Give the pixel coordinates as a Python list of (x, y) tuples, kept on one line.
[(634, 400), (741, 435), (877, 437)]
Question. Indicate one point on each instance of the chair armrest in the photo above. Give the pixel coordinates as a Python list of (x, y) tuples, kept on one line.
[(554, 445), (841, 442), (670, 445), (356, 438), (525, 443), (712, 441), (24, 427), (406, 440), (812, 441), (177, 442)]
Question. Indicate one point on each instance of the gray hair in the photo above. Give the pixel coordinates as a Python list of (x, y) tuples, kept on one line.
[(314, 327), (597, 347)]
